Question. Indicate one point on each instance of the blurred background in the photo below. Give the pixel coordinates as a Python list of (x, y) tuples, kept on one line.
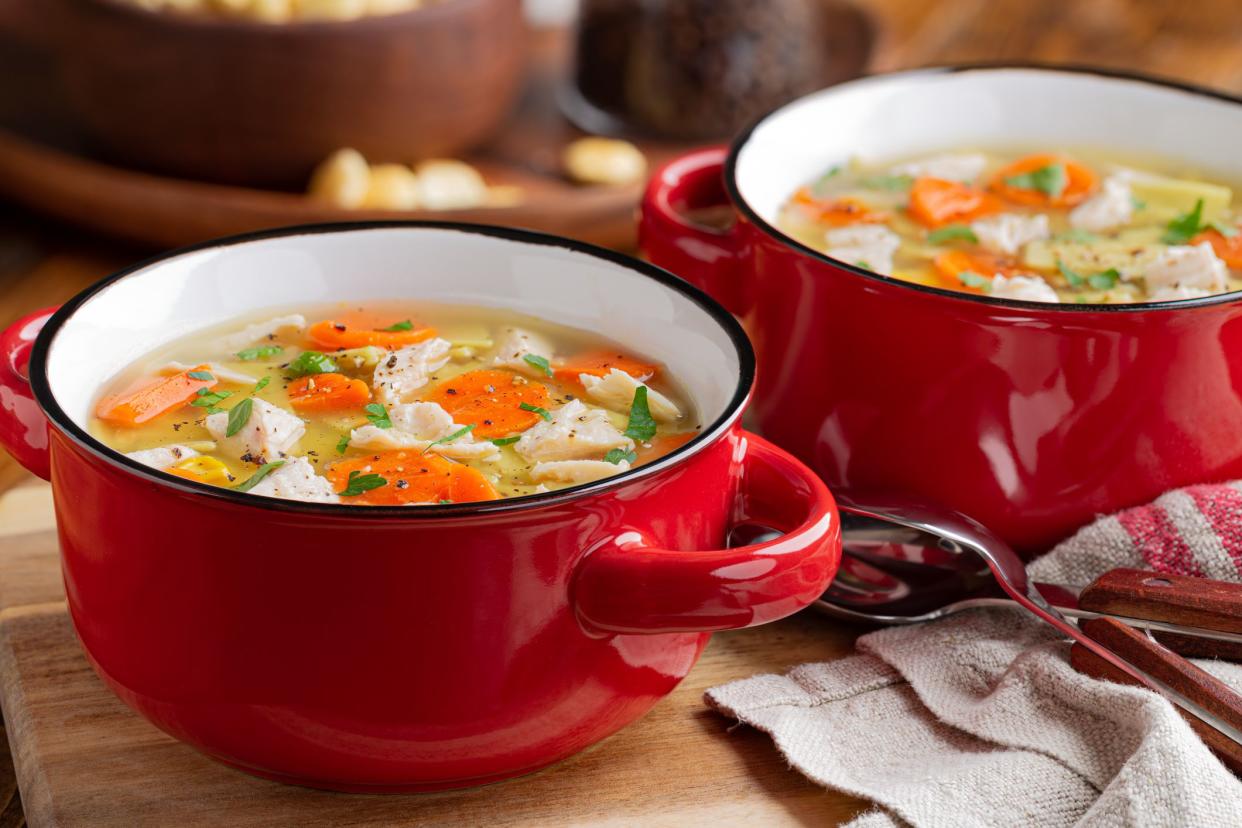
[(131, 126)]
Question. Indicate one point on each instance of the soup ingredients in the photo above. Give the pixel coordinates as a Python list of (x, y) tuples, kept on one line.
[(608, 161), (328, 392), (438, 404), (282, 11), (1045, 227), (152, 398), (345, 179)]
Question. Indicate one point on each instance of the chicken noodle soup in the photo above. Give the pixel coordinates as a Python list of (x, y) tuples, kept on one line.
[(1046, 227), (394, 405)]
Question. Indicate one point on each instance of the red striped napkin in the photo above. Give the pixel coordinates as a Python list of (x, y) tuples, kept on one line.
[(978, 719)]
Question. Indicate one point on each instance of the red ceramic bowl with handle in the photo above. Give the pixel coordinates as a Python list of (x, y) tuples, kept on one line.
[(408, 648), (1032, 418)]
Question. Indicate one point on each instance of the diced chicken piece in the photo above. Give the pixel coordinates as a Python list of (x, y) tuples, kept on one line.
[(296, 480), (268, 435), (1026, 288), (1187, 266), (294, 323), (575, 432), (417, 426), (214, 368), (515, 344), (616, 391), (575, 471), (163, 457), (865, 245), (1010, 232), (1169, 294), (1108, 209), (408, 369), (966, 166)]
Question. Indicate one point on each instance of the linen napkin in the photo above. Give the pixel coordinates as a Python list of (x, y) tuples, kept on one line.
[(979, 720)]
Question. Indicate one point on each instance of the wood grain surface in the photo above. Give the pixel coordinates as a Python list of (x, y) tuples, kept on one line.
[(44, 262)]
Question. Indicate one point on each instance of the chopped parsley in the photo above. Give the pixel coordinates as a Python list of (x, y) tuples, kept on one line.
[(311, 362), (1050, 180), (1185, 227), (342, 444), (953, 232), (971, 279), (260, 385), (461, 432), (378, 415), (542, 412), (239, 415), (616, 456), (260, 352), (823, 180), (887, 182), (253, 480), (1104, 280), (642, 426), (505, 441), (404, 325), (1137, 203), (863, 263), (538, 362), (359, 483), (205, 376), (210, 399)]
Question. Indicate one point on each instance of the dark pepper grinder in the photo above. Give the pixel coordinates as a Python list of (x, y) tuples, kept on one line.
[(703, 69)]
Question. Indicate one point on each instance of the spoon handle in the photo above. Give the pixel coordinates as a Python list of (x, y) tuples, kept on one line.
[(1171, 670), (1172, 599)]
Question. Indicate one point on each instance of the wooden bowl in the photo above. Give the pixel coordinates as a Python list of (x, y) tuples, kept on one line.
[(251, 103)]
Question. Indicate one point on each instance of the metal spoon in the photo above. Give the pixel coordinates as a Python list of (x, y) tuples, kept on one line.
[(951, 565), (894, 575)]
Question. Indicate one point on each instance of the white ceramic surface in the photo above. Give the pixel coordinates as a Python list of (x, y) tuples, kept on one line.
[(174, 297), (899, 115)]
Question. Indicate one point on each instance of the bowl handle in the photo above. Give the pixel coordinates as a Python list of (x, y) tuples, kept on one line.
[(707, 257), (23, 428), (627, 585)]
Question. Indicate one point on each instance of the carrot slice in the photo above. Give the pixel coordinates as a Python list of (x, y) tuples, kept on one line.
[(332, 335), (328, 392), (491, 400), (412, 477), (1228, 248), (599, 363), (1076, 180), (837, 212), (953, 266), (935, 202), (147, 399)]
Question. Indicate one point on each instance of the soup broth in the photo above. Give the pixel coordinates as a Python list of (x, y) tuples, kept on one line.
[(400, 404), (1043, 226)]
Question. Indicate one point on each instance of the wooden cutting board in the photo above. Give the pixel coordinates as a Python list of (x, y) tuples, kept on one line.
[(83, 758)]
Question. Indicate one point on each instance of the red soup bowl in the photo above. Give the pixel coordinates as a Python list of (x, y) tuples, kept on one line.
[(408, 648), (1032, 418)]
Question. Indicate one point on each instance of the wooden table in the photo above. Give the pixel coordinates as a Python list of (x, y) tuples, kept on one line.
[(43, 263)]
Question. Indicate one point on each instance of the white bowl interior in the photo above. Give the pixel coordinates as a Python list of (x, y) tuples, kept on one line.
[(901, 115), (172, 298)]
